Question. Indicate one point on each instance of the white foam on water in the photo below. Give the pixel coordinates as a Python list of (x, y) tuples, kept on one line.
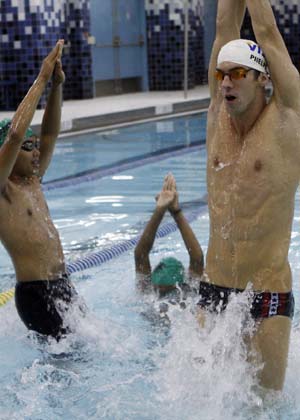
[(204, 373), (118, 365)]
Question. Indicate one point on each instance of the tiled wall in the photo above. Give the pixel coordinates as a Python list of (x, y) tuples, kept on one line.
[(28, 30), (165, 25), (165, 29), (79, 83), (287, 14)]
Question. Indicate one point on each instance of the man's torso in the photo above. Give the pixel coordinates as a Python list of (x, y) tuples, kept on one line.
[(251, 188)]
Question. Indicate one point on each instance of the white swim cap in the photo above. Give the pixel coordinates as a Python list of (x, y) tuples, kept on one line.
[(244, 52)]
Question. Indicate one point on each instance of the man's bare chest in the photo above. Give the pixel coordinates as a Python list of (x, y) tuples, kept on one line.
[(252, 156), (268, 151), (249, 174)]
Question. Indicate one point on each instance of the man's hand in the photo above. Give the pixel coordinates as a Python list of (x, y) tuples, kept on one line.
[(50, 62)]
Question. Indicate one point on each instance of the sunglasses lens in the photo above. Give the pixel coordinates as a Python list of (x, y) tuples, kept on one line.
[(238, 74), (234, 74), (219, 75)]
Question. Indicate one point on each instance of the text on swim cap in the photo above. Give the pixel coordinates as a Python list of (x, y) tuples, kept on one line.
[(253, 48), (258, 60)]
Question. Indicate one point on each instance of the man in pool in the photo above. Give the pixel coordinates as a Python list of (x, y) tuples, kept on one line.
[(43, 290), (253, 170), (169, 273)]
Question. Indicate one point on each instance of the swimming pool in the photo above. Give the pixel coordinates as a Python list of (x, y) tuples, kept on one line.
[(120, 365)]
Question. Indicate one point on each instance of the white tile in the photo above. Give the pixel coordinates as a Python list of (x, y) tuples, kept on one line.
[(34, 3), (28, 30), (9, 17), (17, 45), (295, 18)]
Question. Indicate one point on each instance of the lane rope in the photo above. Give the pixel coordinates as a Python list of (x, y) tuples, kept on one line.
[(6, 296)]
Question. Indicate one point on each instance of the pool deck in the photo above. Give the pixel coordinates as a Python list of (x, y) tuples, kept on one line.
[(117, 109)]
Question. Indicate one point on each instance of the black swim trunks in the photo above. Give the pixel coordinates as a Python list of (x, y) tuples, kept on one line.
[(41, 304), (264, 304)]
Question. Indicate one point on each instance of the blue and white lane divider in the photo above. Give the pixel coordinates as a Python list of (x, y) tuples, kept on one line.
[(116, 168), (98, 258)]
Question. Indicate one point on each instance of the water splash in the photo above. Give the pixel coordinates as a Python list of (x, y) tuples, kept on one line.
[(205, 372)]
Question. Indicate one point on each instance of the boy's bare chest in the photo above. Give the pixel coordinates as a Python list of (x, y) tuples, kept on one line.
[(24, 208)]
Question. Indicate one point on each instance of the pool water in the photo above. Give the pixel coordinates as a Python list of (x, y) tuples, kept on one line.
[(121, 364), (92, 150)]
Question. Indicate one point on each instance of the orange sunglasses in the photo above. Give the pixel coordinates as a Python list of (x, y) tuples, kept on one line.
[(233, 74)]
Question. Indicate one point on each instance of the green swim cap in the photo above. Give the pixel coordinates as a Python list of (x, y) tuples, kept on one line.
[(168, 272), (29, 133), (4, 127)]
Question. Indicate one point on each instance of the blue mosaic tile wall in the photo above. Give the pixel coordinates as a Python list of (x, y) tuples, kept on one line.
[(165, 39), (28, 30), (287, 15)]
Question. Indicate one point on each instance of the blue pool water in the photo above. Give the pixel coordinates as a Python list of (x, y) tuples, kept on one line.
[(120, 364), (105, 147)]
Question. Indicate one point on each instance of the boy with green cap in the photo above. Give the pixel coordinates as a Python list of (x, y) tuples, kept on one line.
[(169, 273), (43, 289)]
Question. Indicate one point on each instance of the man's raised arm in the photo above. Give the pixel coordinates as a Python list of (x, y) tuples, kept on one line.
[(284, 75), (230, 15)]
